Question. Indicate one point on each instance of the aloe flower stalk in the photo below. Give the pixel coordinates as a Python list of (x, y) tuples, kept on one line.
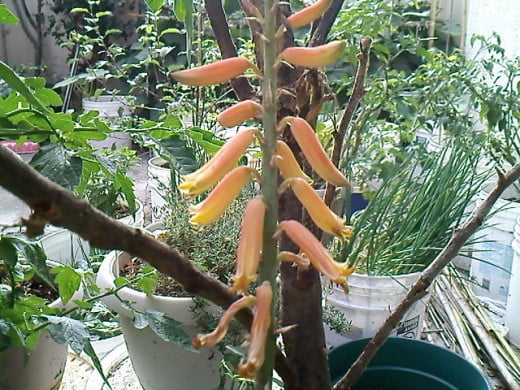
[(238, 113), (319, 257), (287, 163), (259, 328), (322, 216), (313, 151), (210, 173), (214, 73), (249, 245), (213, 338), (212, 208), (314, 57)]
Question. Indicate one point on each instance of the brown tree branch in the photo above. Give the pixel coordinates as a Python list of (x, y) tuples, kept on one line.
[(418, 290), (346, 119), (319, 35), (53, 204), (219, 24)]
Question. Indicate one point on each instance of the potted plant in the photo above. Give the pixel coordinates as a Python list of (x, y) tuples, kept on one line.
[(157, 317), (408, 221)]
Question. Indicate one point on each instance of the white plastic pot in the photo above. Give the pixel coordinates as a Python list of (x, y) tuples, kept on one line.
[(159, 179), (108, 106), (512, 316), (370, 301), (159, 365)]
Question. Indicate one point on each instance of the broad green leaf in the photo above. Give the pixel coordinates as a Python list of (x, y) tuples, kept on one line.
[(57, 164), (121, 281), (35, 82), (180, 10), (180, 155), (6, 16), (8, 252), (91, 353), (169, 31), (18, 84), (68, 281), (50, 97), (155, 5), (166, 328), (68, 330)]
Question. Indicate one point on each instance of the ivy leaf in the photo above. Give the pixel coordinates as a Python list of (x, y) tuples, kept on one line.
[(166, 328), (57, 164), (68, 330), (68, 281)]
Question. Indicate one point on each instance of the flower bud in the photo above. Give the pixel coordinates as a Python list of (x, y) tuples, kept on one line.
[(308, 14), (287, 163), (314, 57), (238, 113)]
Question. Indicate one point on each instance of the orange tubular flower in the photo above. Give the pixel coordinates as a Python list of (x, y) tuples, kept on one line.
[(238, 113), (249, 245), (314, 57), (211, 208), (214, 73), (322, 216), (308, 14), (258, 334), (313, 151), (297, 260), (210, 173), (319, 257), (287, 163), (211, 339)]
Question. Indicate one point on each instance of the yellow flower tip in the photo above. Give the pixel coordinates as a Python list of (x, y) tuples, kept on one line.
[(241, 283), (248, 369), (240, 112), (214, 73), (212, 208)]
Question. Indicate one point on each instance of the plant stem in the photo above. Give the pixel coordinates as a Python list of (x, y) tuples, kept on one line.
[(269, 265)]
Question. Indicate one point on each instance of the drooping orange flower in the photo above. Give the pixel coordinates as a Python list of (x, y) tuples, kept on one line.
[(213, 338), (238, 113), (322, 216), (258, 335), (249, 245), (214, 73), (287, 163), (319, 257), (212, 208), (210, 173), (308, 14), (313, 151), (314, 57)]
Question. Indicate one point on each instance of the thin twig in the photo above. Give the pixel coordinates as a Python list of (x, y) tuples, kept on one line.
[(418, 290)]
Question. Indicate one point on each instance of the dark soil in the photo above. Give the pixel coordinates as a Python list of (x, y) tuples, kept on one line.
[(40, 289)]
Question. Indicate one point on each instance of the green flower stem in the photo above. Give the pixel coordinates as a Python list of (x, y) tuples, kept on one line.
[(269, 265)]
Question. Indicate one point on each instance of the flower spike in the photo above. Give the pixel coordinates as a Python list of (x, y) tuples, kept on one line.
[(308, 14), (214, 73), (249, 245), (238, 113), (319, 257), (222, 162), (314, 57), (313, 151), (322, 216), (259, 329), (212, 208), (211, 339), (287, 163)]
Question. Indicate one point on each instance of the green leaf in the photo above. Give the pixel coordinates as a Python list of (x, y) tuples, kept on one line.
[(169, 31), (50, 97), (35, 255), (8, 252), (68, 330), (68, 281), (100, 14), (57, 164), (155, 5), (79, 10), (89, 350), (18, 84), (180, 10), (166, 328), (6, 16), (121, 281), (180, 155)]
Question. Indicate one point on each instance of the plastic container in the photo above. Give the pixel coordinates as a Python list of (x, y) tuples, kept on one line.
[(369, 302), (491, 273), (108, 106), (512, 316), (65, 247), (159, 179), (406, 364)]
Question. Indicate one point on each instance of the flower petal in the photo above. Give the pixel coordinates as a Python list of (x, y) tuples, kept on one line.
[(287, 163)]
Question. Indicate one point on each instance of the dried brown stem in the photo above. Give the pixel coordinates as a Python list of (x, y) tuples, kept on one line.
[(358, 92), (53, 204), (418, 290)]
